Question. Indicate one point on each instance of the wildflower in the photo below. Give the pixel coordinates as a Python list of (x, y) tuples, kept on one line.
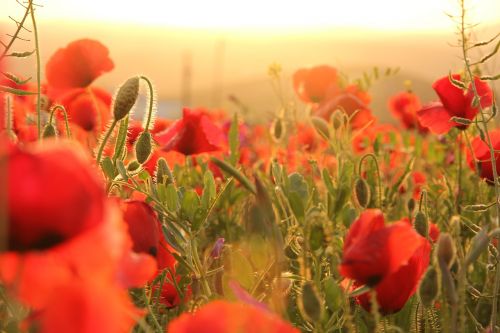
[(454, 102), (404, 107), (195, 133), (481, 153), (313, 84), (227, 317)]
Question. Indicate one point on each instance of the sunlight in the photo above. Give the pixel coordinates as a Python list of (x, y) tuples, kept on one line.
[(265, 14)]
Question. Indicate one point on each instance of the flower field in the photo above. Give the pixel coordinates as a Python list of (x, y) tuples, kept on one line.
[(324, 219)]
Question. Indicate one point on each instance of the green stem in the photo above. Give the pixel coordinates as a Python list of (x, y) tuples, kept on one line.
[(18, 30), (151, 103), (66, 123), (459, 175), (200, 270), (496, 289), (38, 69), (151, 313), (104, 141)]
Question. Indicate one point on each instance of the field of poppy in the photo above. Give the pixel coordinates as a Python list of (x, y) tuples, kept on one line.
[(322, 221)]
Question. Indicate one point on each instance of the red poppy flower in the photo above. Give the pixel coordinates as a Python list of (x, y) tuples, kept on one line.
[(195, 133), (313, 84), (393, 292), (227, 317), (50, 187), (77, 65), (373, 251), (482, 155), (88, 108), (62, 232), (88, 307), (143, 226), (404, 107), (352, 104), (454, 102)]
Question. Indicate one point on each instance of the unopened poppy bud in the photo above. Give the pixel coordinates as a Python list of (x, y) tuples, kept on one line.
[(429, 287), (411, 205), (362, 192), (309, 303), (132, 166), (277, 130), (421, 224), (49, 131), (163, 172), (125, 98), (337, 119), (446, 249), (321, 126), (333, 294), (480, 243), (143, 147)]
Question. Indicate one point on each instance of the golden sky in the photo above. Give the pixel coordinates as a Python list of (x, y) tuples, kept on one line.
[(267, 14)]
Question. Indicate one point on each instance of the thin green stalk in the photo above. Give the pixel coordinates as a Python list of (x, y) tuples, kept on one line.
[(66, 123), (18, 30), (151, 103), (150, 310), (38, 70), (459, 175), (496, 289), (199, 267), (104, 141)]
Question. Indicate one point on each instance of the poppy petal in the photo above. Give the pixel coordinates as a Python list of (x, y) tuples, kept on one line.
[(452, 97), (436, 118)]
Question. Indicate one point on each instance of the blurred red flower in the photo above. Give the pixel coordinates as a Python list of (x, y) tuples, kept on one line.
[(313, 84), (70, 72), (454, 102), (194, 134), (65, 235), (374, 251), (481, 154), (227, 317), (404, 107), (77, 65)]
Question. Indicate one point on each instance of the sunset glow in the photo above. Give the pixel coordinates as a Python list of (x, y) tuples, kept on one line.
[(262, 14)]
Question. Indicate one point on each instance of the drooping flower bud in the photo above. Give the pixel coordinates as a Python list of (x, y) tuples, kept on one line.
[(362, 192), (446, 249), (49, 131), (310, 303), (125, 98), (143, 147), (321, 126), (429, 287), (421, 224)]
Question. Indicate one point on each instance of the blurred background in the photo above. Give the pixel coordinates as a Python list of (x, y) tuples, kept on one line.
[(209, 53)]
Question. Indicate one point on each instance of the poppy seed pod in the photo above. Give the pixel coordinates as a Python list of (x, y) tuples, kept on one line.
[(446, 249), (125, 98), (310, 304), (421, 224), (49, 131), (143, 147), (362, 192), (429, 287)]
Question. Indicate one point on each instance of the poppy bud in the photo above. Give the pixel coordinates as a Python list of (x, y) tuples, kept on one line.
[(480, 243), (309, 303), (125, 98), (338, 119), (362, 192), (411, 205), (321, 126), (278, 130), (429, 287), (49, 131), (421, 224), (163, 172), (143, 147), (446, 249)]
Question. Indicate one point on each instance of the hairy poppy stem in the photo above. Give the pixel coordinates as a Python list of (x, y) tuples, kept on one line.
[(104, 141), (459, 174), (496, 289), (151, 102), (65, 114), (38, 69)]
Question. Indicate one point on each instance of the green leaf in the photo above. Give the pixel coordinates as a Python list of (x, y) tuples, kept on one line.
[(21, 54), (232, 171), (172, 198), (333, 294), (15, 79), (121, 170), (18, 92), (209, 189), (299, 185), (327, 179), (234, 142), (297, 205), (121, 140), (108, 168), (190, 203)]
